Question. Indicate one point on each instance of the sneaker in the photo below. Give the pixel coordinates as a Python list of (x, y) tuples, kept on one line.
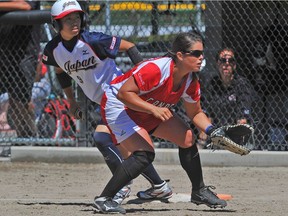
[(107, 205), (122, 194), (205, 196), (158, 192)]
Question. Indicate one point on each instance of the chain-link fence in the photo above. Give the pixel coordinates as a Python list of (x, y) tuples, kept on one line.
[(256, 30)]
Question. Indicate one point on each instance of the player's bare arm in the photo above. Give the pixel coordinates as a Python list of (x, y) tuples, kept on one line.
[(65, 82), (125, 45), (197, 116), (14, 5), (128, 94)]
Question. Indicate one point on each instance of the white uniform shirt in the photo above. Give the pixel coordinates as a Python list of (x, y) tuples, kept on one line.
[(89, 61)]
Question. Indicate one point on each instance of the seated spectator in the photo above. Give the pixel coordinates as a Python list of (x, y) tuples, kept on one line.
[(19, 46), (270, 78), (228, 98), (4, 104), (41, 90)]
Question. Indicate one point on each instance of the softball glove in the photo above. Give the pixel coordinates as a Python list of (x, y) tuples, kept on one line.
[(233, 138)]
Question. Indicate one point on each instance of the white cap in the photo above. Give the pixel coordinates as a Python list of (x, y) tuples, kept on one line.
[(61, 8)]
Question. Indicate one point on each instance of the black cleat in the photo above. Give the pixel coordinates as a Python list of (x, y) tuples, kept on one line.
[(108, 206), (205, 196)]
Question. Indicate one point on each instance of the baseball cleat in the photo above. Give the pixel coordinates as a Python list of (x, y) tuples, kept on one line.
[(205, 196), (122, 194), (157, 192), (107, 206)]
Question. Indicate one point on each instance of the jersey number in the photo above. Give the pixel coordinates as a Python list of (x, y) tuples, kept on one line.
[(80, 79)]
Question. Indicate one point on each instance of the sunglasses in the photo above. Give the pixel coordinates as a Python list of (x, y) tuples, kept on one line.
[(227, 60), (195, 53)]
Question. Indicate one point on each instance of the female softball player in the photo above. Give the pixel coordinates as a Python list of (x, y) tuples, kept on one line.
[(89, 59), (138, 104)]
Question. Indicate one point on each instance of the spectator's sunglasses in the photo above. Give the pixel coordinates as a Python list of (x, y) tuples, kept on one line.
[(227, 60), (195, 53)]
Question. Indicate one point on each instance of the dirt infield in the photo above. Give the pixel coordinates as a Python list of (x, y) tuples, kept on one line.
[(68, 189)]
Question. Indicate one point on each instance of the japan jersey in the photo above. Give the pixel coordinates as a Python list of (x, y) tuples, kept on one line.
[(89, 61), (155, 81)]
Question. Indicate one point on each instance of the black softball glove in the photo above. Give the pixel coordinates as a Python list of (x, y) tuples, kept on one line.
[(233, 138)]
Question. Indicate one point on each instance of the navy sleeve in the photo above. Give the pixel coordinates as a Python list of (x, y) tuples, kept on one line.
[(103, 45), (47, 57)]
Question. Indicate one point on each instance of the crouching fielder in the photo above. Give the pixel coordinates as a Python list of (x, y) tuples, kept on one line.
[(138, 104)]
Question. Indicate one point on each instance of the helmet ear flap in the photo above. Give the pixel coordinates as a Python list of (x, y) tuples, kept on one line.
[(56, 25)]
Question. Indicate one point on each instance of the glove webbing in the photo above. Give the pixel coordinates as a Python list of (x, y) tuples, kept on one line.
[(230, 145)]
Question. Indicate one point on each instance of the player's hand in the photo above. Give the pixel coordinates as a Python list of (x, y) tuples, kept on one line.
[(203, 136), (162, 113), (79, 114), (202, 140), (75, 110), (242, 121)]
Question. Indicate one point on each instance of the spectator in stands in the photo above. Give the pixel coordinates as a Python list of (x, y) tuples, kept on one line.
[(228, 98), (19, 48), (269, 76), (270, 58), (4, 104), (41, 90)]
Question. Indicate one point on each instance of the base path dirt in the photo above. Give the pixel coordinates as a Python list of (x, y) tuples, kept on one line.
[(33, 189)]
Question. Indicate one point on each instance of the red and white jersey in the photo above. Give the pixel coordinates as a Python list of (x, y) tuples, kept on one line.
[(155, 81)]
